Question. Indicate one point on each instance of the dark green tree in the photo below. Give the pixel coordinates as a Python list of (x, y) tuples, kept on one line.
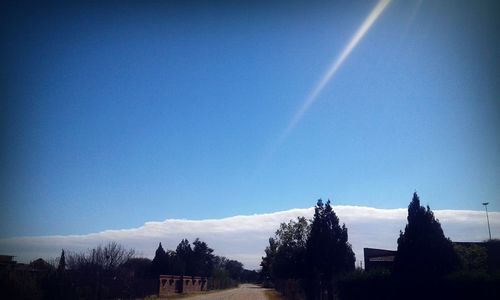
[(183, 258), (226, 273), (234, 269), (472, 257), (139, 267), (423, 249), (202, 258), (62, 262), (329, 253), (159, 263), (268, 261), (220, 262), (291, 240)]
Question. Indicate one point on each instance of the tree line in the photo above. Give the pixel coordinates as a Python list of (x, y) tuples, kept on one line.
[(111, 271), (199, 260), (313, 259)]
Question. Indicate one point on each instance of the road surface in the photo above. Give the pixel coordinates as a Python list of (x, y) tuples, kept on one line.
[(243, 292)]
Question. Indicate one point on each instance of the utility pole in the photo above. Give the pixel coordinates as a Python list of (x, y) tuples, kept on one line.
[(487, 218)]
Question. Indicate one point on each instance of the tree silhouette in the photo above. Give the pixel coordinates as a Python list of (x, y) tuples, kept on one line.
[(234, 268), (159, 263), (267, 263), (202, 258), (61, 267), (183, 258), (104, 257), (328, 251), (92, 269), (423, 250), (291, 239)]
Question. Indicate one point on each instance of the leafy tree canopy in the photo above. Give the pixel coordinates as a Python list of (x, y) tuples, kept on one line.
[(202, 258), (291, 240)]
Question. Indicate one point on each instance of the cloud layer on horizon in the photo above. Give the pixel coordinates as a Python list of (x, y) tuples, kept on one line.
[(245, 237)]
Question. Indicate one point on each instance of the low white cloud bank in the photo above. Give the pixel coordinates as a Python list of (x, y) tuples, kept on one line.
[(245, 237)]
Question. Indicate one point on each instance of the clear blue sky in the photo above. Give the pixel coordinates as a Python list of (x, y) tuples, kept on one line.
[(120, 113)]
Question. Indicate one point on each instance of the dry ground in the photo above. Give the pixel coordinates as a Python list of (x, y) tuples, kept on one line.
[(243, 292)]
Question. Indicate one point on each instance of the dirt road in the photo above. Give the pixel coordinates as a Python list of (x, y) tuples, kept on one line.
[(243, 292)]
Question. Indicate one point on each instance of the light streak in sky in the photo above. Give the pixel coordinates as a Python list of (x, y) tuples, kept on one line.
[(313, 95), (318, 88)]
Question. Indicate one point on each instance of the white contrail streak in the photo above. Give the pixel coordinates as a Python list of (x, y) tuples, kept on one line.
[(313, 95), (372, 17)]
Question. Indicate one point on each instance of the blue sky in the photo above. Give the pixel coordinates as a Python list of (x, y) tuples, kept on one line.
[(120, 113)]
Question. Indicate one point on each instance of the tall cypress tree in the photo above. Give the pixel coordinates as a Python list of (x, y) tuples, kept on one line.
[(62, 262), (328, 250), (423, 249), (159, 263)]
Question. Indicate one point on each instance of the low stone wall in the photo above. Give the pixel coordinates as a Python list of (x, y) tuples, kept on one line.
[(175, 284), (169, 284)]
